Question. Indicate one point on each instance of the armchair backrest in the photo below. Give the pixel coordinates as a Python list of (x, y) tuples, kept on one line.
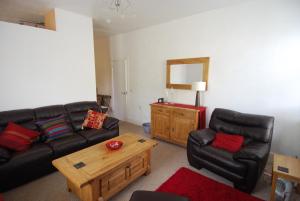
[(256, 127)]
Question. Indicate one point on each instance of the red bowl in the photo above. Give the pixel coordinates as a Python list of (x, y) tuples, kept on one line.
[(114, 144)]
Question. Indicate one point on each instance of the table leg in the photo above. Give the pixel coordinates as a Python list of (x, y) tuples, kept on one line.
[(69, 186), (87, 193), (298, 188), (274, 180)]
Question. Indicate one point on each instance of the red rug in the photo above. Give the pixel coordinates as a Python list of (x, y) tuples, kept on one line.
[(200, 188)]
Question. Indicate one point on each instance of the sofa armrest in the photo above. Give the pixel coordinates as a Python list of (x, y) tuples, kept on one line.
[(110, 123), (256, 151), (203, 137), (5, 155)]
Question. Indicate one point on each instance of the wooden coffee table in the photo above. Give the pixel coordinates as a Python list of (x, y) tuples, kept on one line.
[(106, 172)]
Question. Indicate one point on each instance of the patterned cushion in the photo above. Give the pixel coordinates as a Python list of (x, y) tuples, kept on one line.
[(55, 128), (17, 138), (94, 119)]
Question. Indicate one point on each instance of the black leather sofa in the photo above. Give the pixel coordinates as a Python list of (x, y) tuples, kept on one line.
[(36, 162), (243, 168)]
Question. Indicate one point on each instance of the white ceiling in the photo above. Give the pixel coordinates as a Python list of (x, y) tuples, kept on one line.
[(141, 14)]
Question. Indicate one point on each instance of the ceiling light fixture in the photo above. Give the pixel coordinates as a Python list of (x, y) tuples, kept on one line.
[(120, 6)]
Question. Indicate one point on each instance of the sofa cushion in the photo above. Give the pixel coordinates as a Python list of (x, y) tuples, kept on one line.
[(67, 145), (17, 138), (55, 128), (48, 112), (95, 136), (24, 117), (221, 158), (37, 153), (94, 119), (77, 112)]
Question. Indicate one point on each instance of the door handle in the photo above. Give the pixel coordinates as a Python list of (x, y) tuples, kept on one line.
[(124, 93)]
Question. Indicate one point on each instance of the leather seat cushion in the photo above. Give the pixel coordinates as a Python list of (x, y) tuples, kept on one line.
[(222, 159), (155, 196), (95, 136), (34, 155), (66, 145)]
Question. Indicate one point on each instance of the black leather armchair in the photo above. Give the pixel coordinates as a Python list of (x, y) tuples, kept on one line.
[(156, 196), (243, 168)]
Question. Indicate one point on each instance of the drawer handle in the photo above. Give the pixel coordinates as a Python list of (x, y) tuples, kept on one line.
[(160, 110), (108, 186), (181, 114)]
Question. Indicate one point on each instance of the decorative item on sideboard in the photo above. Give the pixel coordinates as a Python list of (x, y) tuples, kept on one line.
[(198, 87), (160, 100)]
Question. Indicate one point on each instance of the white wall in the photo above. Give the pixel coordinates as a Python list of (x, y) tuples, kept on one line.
[(254, 63), (41, 67)]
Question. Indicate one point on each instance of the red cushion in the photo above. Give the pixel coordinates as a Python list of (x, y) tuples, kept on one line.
[(1, 199), (231, 143), (16, 137), (94, 119)]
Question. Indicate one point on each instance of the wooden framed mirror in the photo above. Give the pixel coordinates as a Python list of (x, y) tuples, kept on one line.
[(181, 73)]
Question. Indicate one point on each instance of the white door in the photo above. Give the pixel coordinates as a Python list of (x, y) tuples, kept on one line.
[(119, 86)]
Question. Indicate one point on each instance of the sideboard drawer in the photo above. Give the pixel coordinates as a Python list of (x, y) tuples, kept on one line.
[(161, 110), (184, 113)]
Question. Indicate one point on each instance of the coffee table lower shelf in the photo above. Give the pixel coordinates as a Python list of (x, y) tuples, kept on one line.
[(104, 187)]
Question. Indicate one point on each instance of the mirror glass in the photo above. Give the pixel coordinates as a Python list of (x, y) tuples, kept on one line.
[(181, 73), (186, 73)]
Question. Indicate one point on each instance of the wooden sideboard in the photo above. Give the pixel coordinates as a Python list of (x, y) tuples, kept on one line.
[(174, 122)]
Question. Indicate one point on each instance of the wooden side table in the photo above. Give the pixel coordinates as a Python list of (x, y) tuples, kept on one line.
[(293, 165)]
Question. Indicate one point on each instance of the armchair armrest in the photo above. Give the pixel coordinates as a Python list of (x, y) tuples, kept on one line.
[(203, 137), (110, 123), (256, 151)]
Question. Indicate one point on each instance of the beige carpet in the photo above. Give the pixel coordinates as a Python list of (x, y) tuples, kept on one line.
[(167, 158)]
